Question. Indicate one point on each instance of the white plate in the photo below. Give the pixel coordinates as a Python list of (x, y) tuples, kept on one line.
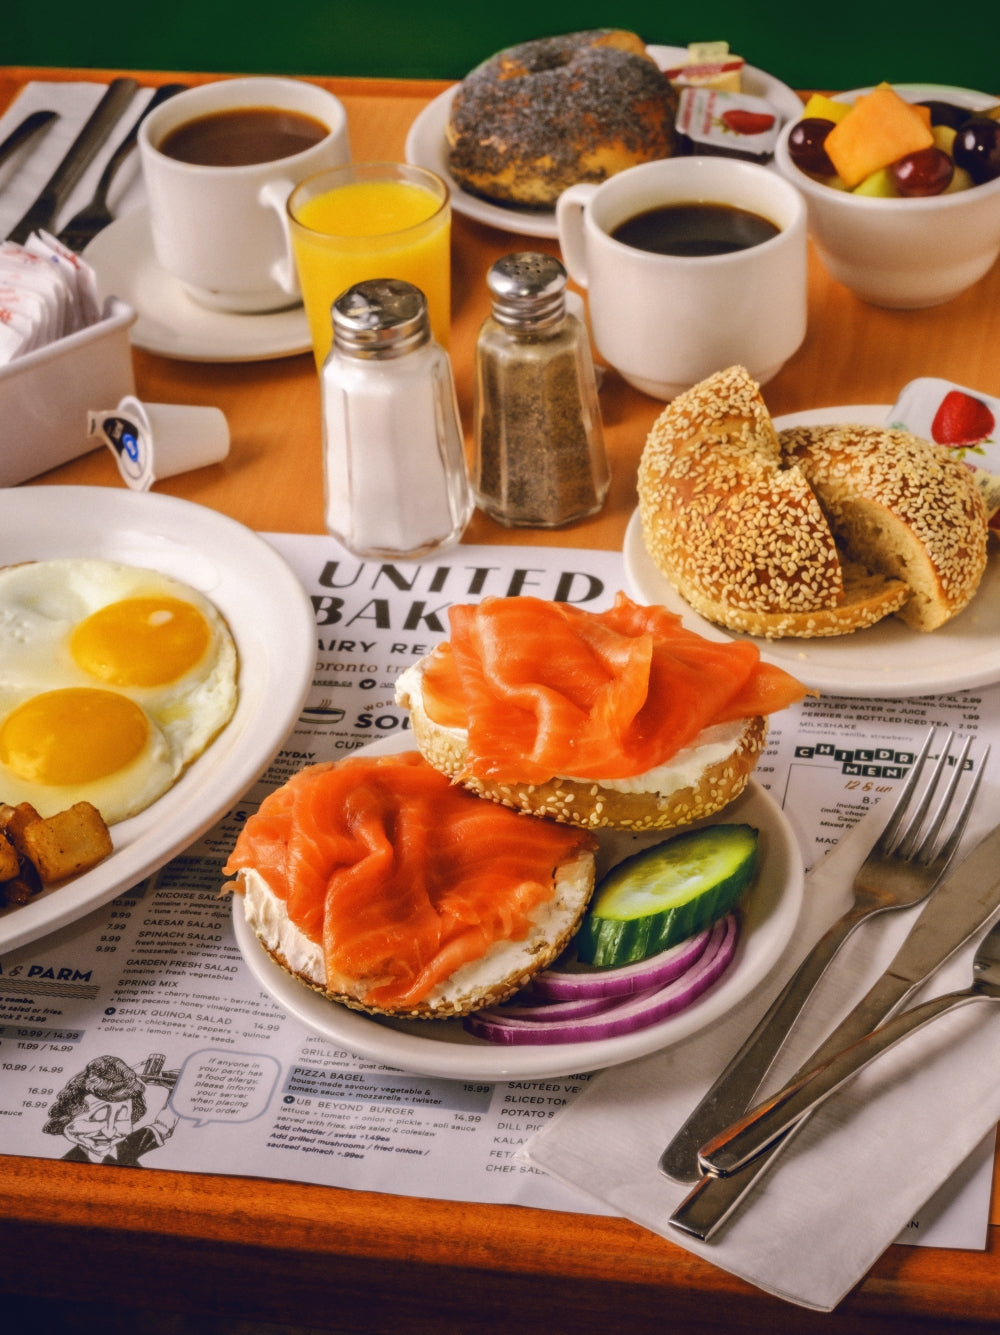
[(169, 321), (443, 1048), (426, 147), (888, 660), (272, 623)]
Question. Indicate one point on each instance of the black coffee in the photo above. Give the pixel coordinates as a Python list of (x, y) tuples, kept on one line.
[(695, 229), (242, 136)]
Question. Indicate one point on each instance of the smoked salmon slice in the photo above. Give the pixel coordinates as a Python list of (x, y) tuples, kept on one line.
[(549, 690), (399, 875)]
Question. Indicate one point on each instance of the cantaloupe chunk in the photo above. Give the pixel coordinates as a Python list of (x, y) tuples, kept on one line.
[(825, 108), (880, 129)]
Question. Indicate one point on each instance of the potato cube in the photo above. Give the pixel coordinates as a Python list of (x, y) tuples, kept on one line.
[(68, 843), (10, 863), (15, 820)]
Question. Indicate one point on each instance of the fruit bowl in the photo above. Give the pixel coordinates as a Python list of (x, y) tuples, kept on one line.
[(902, 252)]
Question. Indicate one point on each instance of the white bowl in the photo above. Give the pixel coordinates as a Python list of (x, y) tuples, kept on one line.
[(903, 253)]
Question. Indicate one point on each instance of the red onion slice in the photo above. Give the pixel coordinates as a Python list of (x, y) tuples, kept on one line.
[(564, 984), (628, 1015)]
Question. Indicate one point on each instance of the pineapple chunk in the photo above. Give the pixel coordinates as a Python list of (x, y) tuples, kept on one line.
[(825, 108), (880, 129)]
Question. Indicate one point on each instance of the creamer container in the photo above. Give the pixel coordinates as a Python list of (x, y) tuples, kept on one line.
[(540, 459), (395, 480)]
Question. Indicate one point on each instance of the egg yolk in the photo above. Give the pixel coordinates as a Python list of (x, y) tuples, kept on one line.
[(141, 641), (72, 736)]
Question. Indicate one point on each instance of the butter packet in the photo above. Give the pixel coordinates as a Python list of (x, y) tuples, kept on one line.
[(961, 420)]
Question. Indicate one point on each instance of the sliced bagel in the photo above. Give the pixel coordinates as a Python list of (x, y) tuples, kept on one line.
[(737, 527), (695, 783)]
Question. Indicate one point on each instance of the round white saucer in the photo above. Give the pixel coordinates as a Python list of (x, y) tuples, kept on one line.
[(169, 321)]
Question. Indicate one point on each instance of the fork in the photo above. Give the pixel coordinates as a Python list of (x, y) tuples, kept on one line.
[(917, 855), (95, 215), (883, 883)]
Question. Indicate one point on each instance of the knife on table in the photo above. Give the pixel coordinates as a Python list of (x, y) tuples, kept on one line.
[(102, 121), (23, 132), (964, 901)]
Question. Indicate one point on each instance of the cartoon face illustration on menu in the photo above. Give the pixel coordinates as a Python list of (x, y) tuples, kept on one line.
[(104, 1111)]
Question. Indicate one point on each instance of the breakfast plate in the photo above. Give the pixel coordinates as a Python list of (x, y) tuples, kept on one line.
[(769, 913), (887, 660), (169, 321), (426, 147), (272, 623)]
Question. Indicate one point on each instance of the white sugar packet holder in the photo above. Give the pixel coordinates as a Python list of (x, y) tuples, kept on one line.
[(853, 1178)]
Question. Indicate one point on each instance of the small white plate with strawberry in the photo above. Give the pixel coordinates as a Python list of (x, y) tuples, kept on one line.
[(888, 660)]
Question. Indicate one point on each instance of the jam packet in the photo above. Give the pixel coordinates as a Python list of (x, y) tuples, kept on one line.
[(732, 125), (961, 420)]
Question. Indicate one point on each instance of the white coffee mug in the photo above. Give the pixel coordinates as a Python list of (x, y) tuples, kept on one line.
[(219, 229), (666, 322)]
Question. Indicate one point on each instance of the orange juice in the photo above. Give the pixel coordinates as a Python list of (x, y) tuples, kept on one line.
[(373, 224)]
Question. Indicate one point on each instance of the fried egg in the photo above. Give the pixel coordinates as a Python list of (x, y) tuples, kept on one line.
[(113, 679)]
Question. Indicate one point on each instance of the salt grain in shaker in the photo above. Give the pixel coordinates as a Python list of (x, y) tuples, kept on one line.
[(540, 459), (395, 480)]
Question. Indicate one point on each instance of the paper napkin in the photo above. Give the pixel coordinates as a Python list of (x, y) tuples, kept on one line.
[(859, 1171), (23, 176)]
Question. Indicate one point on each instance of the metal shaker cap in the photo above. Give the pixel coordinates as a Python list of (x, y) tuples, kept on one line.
[(380, 318), (528, 288)]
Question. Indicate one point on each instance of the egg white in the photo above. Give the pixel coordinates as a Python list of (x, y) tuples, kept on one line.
[(41, 603)]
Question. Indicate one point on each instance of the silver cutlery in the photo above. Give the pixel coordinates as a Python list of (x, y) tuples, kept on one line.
[(20, 134), (45, 209), (965, 900), (883, 883), (765, 1124), (95, 215)]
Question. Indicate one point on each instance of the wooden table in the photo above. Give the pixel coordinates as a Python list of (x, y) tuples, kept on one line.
[(324, 1257)]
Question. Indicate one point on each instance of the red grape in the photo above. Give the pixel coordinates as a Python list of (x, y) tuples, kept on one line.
[(805, 146), (977, 149), (946, 113), (928, 171)]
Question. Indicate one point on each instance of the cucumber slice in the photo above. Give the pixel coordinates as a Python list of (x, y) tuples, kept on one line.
[(661, 896)]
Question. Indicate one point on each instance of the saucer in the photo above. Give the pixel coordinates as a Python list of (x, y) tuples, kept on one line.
[(426, 147), (171, 323)]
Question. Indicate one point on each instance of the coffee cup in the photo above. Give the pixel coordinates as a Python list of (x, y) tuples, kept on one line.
[(218, 162), (665, 321)]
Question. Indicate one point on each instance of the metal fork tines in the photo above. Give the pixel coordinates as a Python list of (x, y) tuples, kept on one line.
[(96, 214), (957, 908), (885, 882)]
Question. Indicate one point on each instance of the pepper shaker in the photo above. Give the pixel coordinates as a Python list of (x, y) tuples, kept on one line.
[(540, 459), (395, 481)]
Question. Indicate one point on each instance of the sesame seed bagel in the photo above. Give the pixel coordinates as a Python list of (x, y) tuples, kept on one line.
[(503, 970), (696, 783), (904, 507), (821, 531), (542, 115)]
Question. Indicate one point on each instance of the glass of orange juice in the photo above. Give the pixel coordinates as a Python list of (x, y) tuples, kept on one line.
[(371, 220)]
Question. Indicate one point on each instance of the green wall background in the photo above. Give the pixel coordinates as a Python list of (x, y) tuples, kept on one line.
[(840, 45)]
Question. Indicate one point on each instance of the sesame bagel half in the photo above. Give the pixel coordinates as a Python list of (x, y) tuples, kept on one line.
[(696, 783)]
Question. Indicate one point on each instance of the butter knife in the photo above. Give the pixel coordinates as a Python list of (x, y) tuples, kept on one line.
[(965, 900), (43, 212), (23, 132)]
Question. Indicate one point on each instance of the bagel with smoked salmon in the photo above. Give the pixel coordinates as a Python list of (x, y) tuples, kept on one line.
[(815, 531), (620, 719), (385, 887)]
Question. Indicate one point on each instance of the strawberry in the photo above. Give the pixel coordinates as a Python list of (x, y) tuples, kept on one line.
[(962, 420), (746, 122)]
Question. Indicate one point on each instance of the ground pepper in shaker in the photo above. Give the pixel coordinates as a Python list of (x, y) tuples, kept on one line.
[(540, 459), (395, 481)]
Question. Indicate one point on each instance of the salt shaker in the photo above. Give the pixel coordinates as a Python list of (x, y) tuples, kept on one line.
[(395, 481), (540, 459)]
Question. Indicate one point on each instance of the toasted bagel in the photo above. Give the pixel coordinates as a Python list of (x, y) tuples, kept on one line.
[(819, 531)]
